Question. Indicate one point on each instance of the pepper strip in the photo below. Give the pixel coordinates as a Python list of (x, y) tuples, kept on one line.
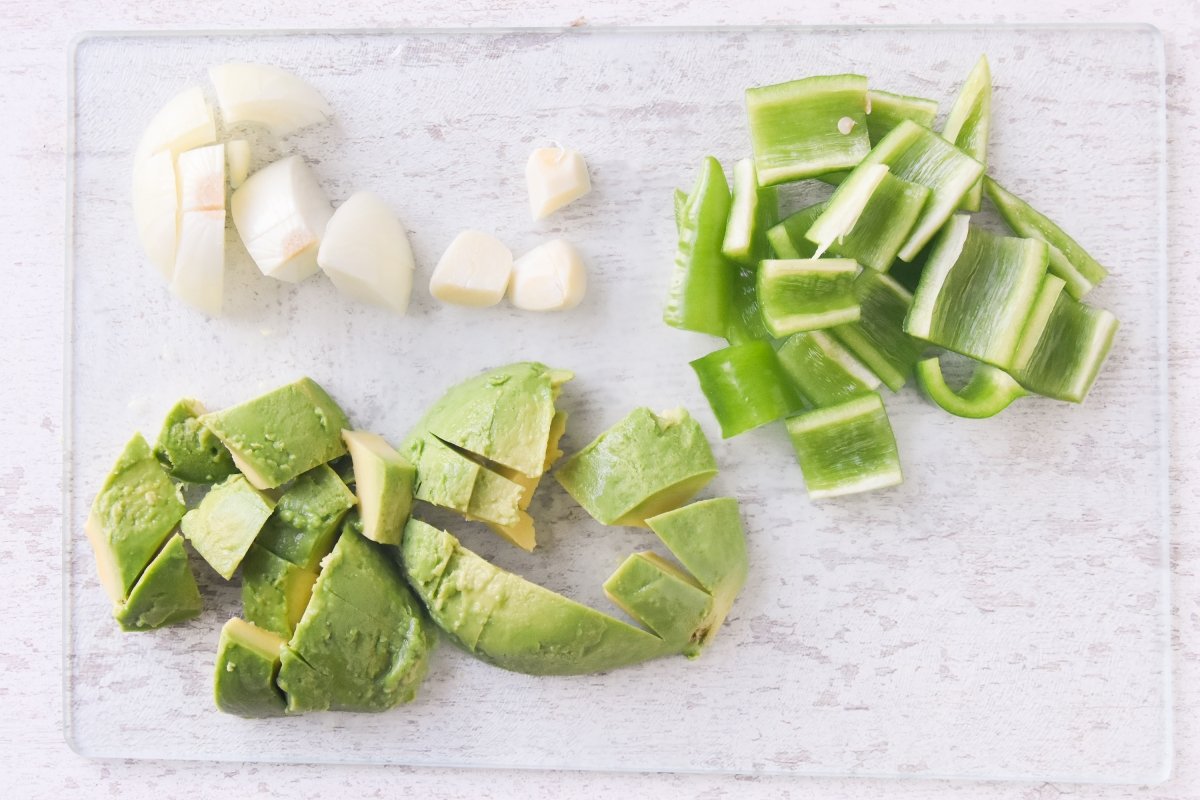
[(986, 394), (702, 282), (745, 386)]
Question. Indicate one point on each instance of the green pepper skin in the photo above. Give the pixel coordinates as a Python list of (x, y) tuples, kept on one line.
[(987, 393), (746, 387), (745, 317), (847, 448), (822, 370), (787, 238), (702, 283), (968, 122), (1068, 356), (886, 110)]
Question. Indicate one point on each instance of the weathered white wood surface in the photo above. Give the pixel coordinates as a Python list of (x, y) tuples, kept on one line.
[(36, 760)]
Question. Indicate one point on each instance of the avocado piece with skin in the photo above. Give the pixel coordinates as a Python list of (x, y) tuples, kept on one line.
[(662, 597), (226, 522), (503, 415), (363, 643), (275, 591), (246, 668), (512, 623), (281, 434), (384, 486), (642, 466), (135, 511), (166, 592), (307, 518), (188, 450)]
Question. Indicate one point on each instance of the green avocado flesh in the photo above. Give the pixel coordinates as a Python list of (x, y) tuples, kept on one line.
[(642, 466), (189, 451), (275, 592), (384, 486), (306, 519), (663, 598), (135, 511), (224, 525), (503, 415), (247, 664), (448, 478), (165, 594), (363, 643), (275, 437), (510, 622)]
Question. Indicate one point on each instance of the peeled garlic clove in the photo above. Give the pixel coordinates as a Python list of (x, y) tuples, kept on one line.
[(555, 176), (155, 209), (267, 95), (186, 121), (281, 213), (237, 160), (200, 176), (365, 252), (199, 278), (550, 277), (474, 271)]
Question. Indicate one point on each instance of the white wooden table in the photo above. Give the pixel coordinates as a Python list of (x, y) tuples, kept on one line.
[(34, 759)]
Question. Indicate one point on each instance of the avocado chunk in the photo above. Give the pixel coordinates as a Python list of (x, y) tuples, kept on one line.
[(189, 451), (503, 415), (247, 664), (166, 592), (275, 591), (663, 598), (512, 623), (363, 643), (450, 479), (642, 466), (135, 511), (305, 523), (224, 525), (275, 437), (384, 485)]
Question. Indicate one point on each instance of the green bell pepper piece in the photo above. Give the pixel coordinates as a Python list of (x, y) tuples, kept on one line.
[(1039, 317), (745, 386), (886, 110), (1068, 356), (702, 281), (968, 122), (745, 317), (754, 209), (846, 448), (807, 294), (986, 394), (822, 370), (1068, 260), (878, 338), (808, 127), (787, 238)]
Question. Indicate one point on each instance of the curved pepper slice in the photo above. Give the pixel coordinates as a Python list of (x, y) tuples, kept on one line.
[(702, 282), (746, 387), (987, 393)]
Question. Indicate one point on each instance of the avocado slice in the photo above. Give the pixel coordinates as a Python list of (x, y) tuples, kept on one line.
[(510, 622), (363, 643), (275, 437), (708, 539), (662, 597), (305, 523), (247, 664), (450, 479), (166, 592), (275, 591), (224, 525), (189, 451), (503, 415), (384, 486), (135, 511), (642, 466)]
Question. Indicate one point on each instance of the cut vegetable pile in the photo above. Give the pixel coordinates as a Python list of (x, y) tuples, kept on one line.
[(344, 590), (815, 323)]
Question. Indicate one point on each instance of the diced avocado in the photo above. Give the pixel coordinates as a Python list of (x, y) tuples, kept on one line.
[(306, 519), (165, 594), (663, 598), (522, 533), (224, 525), (189, 451), (344, 467), (135, 511), (384, 486), (642, 466), (495, 499), (363, 643), (450, 479), (708, 539), (275, 591), (503, 415), (247, 664), (510, 622), (275, 437)]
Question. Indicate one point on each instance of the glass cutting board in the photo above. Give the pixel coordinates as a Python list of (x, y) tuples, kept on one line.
[(1003, 614)]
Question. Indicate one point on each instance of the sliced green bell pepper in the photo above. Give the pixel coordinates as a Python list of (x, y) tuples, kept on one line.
[(1068, 356), (806, 294), (986, 394), (702, 281), (886, 110), (745, 386), (968, 122), (846, 448), (822, 370), (745, 317), (755, 208), (787, 238), (878, 338)]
